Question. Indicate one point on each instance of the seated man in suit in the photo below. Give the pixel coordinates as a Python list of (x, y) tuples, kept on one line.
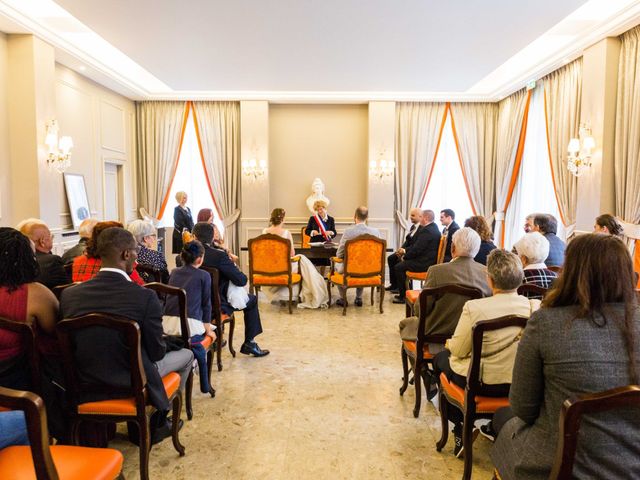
[(86, 227), (359, 227), (229, 272), (396, 257), (447, 219), (52, 271), (422, 253), (547, 225), (101, 355)]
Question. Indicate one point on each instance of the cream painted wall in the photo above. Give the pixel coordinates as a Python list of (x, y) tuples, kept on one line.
[(5, 159), (326, 141)]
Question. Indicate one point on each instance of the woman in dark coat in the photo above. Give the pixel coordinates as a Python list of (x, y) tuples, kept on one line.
[(181, 219)]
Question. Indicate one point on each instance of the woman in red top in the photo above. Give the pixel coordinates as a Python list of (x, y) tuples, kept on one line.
[(87, 265), (22, 300)]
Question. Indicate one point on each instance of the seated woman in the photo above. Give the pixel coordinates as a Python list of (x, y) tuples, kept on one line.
[(532, 249), (314, 289), (505, 275), (147, 237), (479, 224), (206, 215), (321, 227), (608, 224), (584, 339), (23, 300), (197, 284), (87, 265)]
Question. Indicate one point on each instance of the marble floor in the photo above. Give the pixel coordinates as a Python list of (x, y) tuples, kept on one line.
[(323, 405)]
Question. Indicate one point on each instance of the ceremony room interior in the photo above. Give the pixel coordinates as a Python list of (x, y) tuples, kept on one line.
[(319, 239)]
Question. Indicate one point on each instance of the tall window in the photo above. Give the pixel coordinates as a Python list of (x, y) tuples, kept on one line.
[(446, 188), (534, 191), (190, 178)]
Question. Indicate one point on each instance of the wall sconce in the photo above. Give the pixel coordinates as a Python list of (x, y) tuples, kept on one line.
[(254, 170), (382, 170), (59, 157), (579, 158)]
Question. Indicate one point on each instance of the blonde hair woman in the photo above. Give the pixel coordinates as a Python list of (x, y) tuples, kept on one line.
[(182, 220), (321, 227)]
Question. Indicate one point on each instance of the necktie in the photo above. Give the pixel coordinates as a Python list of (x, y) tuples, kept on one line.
[(412, 229)]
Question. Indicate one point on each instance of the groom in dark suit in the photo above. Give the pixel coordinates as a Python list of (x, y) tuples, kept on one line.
[(447, 219), (396, 257), (218, 258), (420, 255)]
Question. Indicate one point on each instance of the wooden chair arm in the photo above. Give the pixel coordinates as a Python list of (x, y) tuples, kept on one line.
[(337, 260), (296, 258)]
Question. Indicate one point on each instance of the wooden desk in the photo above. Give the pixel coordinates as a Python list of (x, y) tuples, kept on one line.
[(319, 256)]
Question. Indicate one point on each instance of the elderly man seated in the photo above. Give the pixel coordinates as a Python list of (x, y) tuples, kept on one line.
[(52, 271), (505, 276), (533, 249), (85, 229)]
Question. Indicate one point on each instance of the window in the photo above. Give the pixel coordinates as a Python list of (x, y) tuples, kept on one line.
[(190, 178), (446, 188), (534, 191)]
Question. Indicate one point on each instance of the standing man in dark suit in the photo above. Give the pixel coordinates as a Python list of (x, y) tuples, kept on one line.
[(547, 225), (447, 219), (422, 253), (101, 354), (396, 257), (52, 271), (229, 272)]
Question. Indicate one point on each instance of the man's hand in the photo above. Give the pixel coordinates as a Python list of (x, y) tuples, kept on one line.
[(400, 252)]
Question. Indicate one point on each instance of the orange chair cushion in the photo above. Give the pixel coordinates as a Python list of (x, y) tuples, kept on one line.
[(373, 281), (126, 406), (224, 317), (411, 347), (276, 279), (206, 342), (455, 395), (417, 275), (72, 463), (270, 255), (411, 296)]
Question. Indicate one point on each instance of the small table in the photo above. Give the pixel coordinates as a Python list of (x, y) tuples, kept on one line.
[(319, 256)]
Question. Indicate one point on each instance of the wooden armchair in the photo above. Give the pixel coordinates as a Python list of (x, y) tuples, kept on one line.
[(421, 344), (305, 240), (57, 291), (270, 264), (149, 272), (44, 462), (530, 290), (28, 340), (128, 403), (411, 296), (571, 415), (473, 401), (364, 263), (163, 290), (219, 318)]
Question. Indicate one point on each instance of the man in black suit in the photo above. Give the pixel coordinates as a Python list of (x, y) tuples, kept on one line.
[(420, 255), (52, 271), (101, 354), (218, 258), (447, 219), (396, 257)]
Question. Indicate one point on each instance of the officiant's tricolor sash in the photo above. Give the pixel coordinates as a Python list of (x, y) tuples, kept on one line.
[(323, 231)]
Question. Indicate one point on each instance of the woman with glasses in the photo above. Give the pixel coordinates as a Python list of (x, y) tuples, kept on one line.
[(147, 237)]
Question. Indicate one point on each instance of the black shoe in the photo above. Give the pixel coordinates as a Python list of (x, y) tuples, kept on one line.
[(430, 385), (358, 302), (487, 431), (214, 345), (458, 449), (398, 299), (157, 434), (340, 302), (391, 288), (252, 348)]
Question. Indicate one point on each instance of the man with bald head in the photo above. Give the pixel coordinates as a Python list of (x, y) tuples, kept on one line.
[(85, 230), (396, 257), (52, 271), (420, 255), (101, 355)]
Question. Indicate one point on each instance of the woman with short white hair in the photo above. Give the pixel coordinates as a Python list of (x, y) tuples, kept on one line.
[(533, 249), (146, 236), (182, 220)]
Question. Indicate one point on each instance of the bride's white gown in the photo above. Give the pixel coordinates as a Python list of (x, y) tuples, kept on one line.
[(314, 288)]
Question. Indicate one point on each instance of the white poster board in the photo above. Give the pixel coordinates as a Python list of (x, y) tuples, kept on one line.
[(77, 198)]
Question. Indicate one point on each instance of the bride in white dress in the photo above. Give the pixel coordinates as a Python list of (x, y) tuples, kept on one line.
[(314, 289)]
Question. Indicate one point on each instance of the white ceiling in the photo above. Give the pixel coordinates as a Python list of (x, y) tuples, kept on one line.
[(375, 48)]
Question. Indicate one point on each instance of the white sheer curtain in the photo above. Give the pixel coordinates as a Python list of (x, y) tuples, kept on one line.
[(418, 130), (159, 130), (218, 126), (534, 190)]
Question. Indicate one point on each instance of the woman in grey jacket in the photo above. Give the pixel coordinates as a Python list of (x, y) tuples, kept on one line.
[(585, 339)]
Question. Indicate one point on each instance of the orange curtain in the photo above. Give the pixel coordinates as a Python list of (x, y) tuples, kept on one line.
[(518, 161)]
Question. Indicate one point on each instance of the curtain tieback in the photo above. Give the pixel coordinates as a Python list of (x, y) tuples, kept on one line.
[(231, 219), (499, 216)]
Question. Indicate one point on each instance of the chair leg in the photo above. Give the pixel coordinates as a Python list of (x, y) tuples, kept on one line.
[(175, 426), (144, 445), (444, 419), (381, 287), (212, 392), (220, 337), (467, 443), (329, 290), (343, 295), (232, 327), (290, 300), (405, 370), (417, 380), (188, 400), (373, 289)]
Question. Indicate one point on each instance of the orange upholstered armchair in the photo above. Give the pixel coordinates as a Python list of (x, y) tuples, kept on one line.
[(270, 264), (44, 462), (304, 238), (364, 263)]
